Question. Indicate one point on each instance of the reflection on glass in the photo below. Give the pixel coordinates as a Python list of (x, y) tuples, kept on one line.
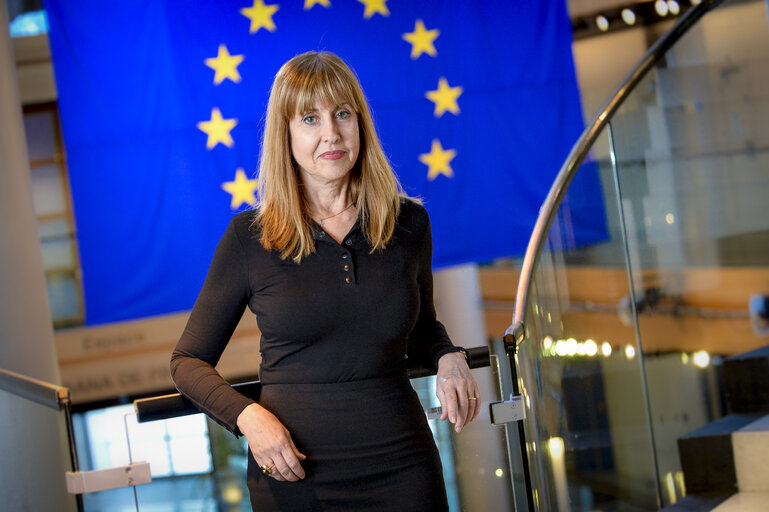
[(173, 447)]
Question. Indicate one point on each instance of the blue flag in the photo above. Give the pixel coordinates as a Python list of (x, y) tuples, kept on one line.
[(162, 105)]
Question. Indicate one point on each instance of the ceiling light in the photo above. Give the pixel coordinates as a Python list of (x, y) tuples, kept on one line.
[(602, 23), (628, 16)]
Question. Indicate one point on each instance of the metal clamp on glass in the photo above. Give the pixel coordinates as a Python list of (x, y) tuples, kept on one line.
[(81, 482), (508, 411)]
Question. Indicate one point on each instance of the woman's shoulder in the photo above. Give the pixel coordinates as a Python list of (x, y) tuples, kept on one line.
[(244, 226), (413, 215)]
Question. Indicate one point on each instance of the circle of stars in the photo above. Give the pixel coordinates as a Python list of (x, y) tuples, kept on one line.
[(225, 66)]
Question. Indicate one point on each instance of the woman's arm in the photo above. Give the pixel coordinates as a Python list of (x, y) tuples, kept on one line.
[(217, 311), (456, 387)]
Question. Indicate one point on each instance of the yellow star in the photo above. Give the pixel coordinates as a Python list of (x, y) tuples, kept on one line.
[(225, 65), (218, 129), (422, 40), (242, 189), (374, 7), (437, 161), (445, 98), (260, 16), (309, 4)]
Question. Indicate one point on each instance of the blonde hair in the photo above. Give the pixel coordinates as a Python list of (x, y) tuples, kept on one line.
[(282, 216)]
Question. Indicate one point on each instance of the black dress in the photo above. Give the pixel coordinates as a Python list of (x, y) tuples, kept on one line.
[(337, 330)]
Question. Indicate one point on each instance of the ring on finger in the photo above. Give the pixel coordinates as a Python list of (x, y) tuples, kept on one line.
[(267, 470), (472, 398)]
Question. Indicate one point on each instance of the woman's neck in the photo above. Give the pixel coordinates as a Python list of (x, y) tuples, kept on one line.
[(327, 199)]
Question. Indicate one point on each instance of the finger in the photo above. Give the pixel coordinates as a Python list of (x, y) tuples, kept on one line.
[(294, 467), (273, 470), (478, 402), (449, 404), (299, 455), (463, 410), (444, 408), (472, 405), (284, 469)]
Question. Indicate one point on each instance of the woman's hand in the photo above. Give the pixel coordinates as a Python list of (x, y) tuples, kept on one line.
[(271, 443), (457, 390)]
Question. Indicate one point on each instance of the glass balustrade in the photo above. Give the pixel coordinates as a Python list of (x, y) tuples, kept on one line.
[(692, 157), (588, 439), (625, 338)]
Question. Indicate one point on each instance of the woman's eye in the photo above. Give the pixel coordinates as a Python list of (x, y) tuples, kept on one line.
[(309, 119), (343, 114)]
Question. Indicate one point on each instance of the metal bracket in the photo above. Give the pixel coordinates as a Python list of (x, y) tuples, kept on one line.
[(81, 482), (508, 411)]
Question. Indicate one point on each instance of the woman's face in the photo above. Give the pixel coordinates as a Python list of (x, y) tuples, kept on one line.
[(325, 142)]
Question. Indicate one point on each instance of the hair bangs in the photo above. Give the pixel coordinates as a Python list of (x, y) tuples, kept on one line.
[(320, 83)]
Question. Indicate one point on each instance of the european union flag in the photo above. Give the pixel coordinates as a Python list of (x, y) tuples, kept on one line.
[(162, 105)]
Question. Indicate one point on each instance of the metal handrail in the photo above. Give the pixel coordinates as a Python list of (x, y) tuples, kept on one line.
[(549, 208), (49, 395), (41, 392)]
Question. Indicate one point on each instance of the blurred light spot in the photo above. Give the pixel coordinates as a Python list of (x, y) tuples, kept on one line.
[(674, 9), (671, 487), (548, 342), (499, 472), (669, 218), (680, 483), (591, 348), (571, 346), (701, 359), (685, 358), (232, 494), (661, 6), (628, 16), (602, 23), (629, 351), (606, 348), (556, 447)]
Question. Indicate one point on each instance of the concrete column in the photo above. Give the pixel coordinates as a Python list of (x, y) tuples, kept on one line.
[(480, 449), (33, 447)]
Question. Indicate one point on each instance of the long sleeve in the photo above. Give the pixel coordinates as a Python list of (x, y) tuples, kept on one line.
[(428, 340), (213, 319)]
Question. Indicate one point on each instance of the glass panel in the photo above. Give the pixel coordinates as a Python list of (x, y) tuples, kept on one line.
[(40, 131), (587, 426), (63, 296), (58, 253), (35, 451), (177, 448), (54, 228), (476, 467), (48, 190), (692, 157)]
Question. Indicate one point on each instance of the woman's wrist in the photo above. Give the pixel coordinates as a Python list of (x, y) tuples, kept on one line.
[(454, 356)]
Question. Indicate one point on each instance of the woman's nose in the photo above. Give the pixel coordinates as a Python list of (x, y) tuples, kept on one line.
[(330, 132)]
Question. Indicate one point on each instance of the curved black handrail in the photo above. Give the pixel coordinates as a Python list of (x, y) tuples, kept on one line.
[(547, 212)]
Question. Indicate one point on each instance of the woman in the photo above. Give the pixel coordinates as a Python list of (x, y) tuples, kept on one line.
[(336, 265)]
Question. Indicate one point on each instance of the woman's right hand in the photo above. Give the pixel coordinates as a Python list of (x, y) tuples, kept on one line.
[(270, 443)]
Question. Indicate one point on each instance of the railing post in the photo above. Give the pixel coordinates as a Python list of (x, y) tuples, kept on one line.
[(512, 336)]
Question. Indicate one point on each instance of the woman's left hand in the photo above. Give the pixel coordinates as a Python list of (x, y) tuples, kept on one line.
[(457, 390)]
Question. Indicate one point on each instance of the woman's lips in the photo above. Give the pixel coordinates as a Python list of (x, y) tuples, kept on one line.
[(332, 155)]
